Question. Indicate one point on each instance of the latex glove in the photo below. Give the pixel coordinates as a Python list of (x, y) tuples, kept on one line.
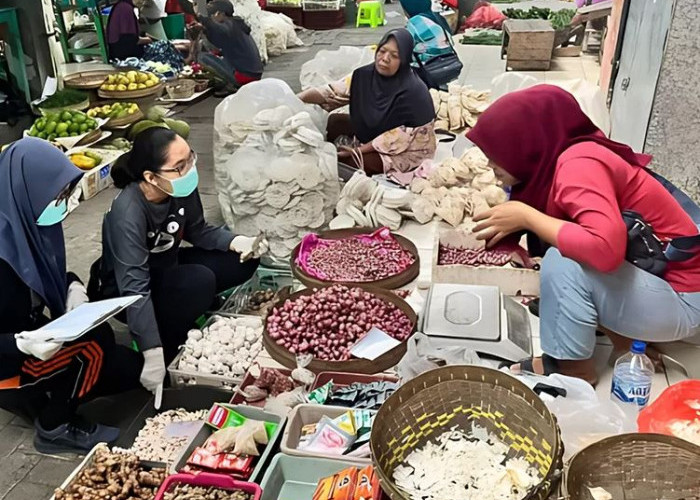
[(250, 248), (38, 348), (77, 295), (153, 372)]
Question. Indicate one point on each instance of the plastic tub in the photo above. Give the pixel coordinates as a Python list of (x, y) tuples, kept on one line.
[(296, 478), (310, 414), (207, 479), (174, 26), (248, 412)]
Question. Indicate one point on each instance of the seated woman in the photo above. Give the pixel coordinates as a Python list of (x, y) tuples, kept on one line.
[(157, 208), (570, 185), (429, 30), (44, 382), (391, 112), (123, 33)]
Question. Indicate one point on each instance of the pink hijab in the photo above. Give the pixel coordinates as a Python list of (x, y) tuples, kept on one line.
[(526, 131)]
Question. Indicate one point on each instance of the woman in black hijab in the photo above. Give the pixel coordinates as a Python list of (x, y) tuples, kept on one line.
[(45, 381), (391, 111)]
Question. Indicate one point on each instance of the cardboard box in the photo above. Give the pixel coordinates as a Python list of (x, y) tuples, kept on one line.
[(96, 180), (511, 280)]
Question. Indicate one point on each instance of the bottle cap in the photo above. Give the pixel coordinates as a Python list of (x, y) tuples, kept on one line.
[(638, 347)]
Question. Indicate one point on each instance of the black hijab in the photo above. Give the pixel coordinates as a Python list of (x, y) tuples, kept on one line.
[(380, 103), (32, 174)]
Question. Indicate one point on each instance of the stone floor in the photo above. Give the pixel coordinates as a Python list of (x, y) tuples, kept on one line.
[(25, 474)]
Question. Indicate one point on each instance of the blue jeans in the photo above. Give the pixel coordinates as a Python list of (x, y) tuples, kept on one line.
[(220, 66), (576, 299)]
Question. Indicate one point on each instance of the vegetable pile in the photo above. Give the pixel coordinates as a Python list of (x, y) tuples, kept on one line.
[(449, 255), (63, 98), (116, 476), (226, 347), (62, 124), (330, 321), (558, 18), (191, 492), (358, 258)]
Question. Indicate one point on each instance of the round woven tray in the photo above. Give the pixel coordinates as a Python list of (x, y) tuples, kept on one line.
[(635, 467), (131, 94), (384, 362), (438, 400), (396, 281), (87, 79)]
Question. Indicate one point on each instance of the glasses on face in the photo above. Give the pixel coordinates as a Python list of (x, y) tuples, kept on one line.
[(185, 168)]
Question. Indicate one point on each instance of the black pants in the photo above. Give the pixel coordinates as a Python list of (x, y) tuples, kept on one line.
[(92, 366), (184, 292)]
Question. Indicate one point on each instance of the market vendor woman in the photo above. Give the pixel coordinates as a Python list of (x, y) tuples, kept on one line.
[(157, 208), (391, 111), (44, 382), (570, 185)]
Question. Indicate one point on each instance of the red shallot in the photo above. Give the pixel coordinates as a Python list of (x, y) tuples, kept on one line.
[(448, 255), (330, 321)]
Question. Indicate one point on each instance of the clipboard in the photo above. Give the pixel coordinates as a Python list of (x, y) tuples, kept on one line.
[(74, 324)]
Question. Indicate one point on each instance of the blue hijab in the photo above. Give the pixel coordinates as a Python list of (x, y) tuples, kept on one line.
[(32, 174), (424, 8)]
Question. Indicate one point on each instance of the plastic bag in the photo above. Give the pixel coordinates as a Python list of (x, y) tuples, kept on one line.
[(329, 66), (422, 355), (279, 33), (676, 408), (582, 417), (251, 13), (485, 15), (274, 174)]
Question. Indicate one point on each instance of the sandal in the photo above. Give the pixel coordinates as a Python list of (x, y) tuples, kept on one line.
[(549, 365)]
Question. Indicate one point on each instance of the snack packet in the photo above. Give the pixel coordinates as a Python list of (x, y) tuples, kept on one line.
[(329, 439), (340, 486), (367, 487)]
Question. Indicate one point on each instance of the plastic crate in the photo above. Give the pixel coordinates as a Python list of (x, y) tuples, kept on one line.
[(324, 19), (181, 378), (248, 412), (296, 478), (220, 481), (310, 414), (312, 5)]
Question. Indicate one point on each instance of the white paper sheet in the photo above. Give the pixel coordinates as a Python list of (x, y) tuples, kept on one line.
[(373, 345), (83, 318)]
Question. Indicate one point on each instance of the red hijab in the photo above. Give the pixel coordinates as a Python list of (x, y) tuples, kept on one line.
[(526, 131)]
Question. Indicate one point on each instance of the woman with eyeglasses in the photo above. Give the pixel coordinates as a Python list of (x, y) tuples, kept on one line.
[(43, 381), (157, 209)]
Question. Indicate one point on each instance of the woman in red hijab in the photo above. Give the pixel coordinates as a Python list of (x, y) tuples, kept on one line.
[(569, 186)]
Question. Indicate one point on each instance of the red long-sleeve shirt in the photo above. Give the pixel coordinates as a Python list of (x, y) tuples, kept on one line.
[(592, 186)]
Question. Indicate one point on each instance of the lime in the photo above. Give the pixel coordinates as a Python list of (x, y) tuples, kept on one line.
[(62, 127), (41, 135), (66, 116), (63, 134), (74, 128), (84, 127), (50, 127), (33, 131), (40, 124), (79, 118), (91, 123), (50, 137)]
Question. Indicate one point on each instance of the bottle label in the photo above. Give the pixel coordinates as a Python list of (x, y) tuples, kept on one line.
[(628, 392)]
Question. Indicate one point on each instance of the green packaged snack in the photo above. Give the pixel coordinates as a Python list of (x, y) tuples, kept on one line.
[(320, 395)]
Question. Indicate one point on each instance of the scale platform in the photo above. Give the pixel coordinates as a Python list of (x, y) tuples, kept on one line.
[(481, 317)]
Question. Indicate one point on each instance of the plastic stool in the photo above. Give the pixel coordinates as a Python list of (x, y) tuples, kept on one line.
[(370, 13)]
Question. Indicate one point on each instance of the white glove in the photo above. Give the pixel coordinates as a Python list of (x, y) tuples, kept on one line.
[(37, 348), (77, 295), (250, 247), (153, 372)]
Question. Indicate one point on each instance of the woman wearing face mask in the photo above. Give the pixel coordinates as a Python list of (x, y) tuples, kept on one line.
[(44, 382), (157, 208), (391, 112), (570, 185)]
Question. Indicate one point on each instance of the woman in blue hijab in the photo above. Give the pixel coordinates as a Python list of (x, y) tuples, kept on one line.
[(45, 381), (429, 30)]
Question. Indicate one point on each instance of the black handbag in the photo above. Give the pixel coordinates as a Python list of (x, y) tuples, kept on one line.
[(440, 70), (645, 250)]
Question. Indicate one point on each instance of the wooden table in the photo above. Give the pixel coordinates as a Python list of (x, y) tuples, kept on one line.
[(527, 44)]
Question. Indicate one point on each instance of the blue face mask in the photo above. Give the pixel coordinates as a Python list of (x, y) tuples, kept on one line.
[(185, 185), (53, 214)]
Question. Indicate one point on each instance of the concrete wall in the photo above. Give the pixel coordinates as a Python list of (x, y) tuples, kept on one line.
[(674, 130)]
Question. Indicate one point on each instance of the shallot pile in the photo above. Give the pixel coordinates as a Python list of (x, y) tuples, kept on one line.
[(358, 259), (328, 322), (449, 255)]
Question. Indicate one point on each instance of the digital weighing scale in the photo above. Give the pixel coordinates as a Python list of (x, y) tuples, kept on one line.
[(481, 317)]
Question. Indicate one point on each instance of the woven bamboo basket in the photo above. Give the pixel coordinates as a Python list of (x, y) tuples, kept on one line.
[(180, 88), (438, 400), (635, 467)]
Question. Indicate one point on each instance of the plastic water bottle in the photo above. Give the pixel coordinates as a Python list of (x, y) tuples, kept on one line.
[(631, 383)]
